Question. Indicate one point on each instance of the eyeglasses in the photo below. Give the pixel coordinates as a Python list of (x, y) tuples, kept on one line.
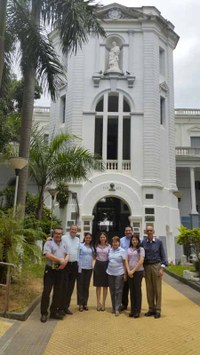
[(149, 230)]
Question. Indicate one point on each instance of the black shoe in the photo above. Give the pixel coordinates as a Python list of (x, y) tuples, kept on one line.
[(68, 312), (131, 315), (157, 315), (43, 318), (123, 308), (62, 312), (56, 316), (136, 315), (85, 308), (149, 314), (80, 308)]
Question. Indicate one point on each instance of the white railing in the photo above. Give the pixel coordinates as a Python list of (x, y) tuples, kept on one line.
[(41, 109), (126, 165), (187, 151), (187, 112), (114, 164)]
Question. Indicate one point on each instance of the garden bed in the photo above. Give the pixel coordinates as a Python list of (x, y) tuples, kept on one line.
[(25, 291), (176, 271)]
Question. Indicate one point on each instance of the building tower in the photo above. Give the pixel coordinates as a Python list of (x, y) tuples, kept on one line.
[(119, 100)]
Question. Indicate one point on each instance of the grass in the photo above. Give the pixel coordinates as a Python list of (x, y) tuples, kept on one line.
[(178, 269)]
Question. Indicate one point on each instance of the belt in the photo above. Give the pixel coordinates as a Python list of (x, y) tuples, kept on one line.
[(151, 262), (72, 262)]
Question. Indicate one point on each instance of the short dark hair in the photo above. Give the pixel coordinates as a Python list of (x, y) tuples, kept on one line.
[(129, 227), (60, 228), (115, 239)]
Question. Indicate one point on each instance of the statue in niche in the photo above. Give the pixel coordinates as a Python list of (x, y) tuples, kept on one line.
[(113, 60)]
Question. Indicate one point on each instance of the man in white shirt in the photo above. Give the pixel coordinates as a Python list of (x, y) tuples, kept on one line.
[(72, 244)]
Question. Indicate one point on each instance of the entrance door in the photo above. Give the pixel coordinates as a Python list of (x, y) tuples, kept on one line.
[(110, 215)]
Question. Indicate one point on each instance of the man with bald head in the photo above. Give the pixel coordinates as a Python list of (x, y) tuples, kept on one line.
[(154, 264)]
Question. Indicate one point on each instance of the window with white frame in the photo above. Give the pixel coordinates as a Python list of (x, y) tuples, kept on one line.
[(113, 115)]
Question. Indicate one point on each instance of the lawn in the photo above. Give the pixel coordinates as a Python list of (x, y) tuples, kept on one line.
[(178, 269)]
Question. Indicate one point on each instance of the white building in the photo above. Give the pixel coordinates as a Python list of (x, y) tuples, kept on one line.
[(119, 99), (188, 165)]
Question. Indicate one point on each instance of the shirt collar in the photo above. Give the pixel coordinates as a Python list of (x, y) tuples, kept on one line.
[(153, 240)]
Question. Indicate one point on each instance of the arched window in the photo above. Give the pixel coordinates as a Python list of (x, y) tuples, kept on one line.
[(113, 128)]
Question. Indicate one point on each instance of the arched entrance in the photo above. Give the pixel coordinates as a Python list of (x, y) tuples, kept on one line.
[(110, 215)]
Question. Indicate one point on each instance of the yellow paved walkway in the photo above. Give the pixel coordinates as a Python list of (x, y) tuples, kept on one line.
[(99, 333), (4, 326)]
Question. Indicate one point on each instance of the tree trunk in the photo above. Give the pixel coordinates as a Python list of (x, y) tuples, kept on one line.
[(3, 6), (25, 133), (39, 212), (27, 117)]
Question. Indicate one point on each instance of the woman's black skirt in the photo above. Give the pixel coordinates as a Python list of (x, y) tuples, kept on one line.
[(100, 277)]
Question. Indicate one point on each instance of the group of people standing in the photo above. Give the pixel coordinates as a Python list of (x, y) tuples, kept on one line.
[(119, 266)]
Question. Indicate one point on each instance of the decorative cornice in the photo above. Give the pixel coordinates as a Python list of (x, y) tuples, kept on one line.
[(110, 76)]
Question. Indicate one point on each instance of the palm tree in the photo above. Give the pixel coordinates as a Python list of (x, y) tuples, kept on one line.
[(3, 6), (74, 20), (60, 161)]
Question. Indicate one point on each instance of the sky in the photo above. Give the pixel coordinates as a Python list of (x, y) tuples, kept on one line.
[(184, 15)]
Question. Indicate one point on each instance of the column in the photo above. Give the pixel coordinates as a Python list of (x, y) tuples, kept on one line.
[(105, 126), (192, 191), (120, 130), (194, 214)]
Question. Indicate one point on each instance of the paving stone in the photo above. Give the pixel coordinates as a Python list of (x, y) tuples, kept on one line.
[(101, 333)]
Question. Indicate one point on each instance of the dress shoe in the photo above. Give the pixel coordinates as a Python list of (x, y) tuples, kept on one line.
[(43, 318), (149, 314), (85, 308), (136, 315), (56, 316), (80, 308), (123, 308), (68, 312), (131, 315), (62, 312), (157, 315)]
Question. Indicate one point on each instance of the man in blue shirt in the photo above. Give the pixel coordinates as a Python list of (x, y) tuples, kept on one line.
[(154, 263), (125, 243)]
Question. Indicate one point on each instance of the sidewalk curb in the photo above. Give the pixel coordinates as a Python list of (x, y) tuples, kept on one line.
[(22, 316), (192, 284)]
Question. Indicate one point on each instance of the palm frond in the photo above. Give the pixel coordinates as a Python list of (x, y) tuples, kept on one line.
[(75, 20), (37, 49)]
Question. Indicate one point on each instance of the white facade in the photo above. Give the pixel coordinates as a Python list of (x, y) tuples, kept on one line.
[(188, 165), (126, 115)]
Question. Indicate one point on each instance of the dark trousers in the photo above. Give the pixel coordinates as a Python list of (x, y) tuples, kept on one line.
[(116, 288), (53, 279), (83, 284), (70, 276), (125, 294), (135, 284)]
